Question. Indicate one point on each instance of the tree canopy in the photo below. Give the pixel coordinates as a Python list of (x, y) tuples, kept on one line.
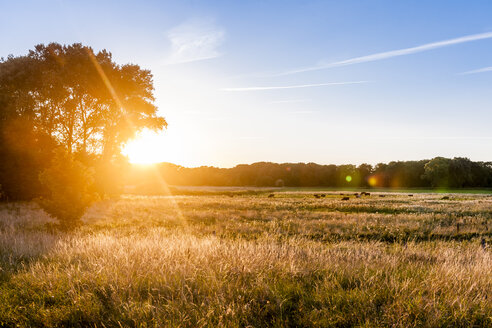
[(72, 97), (87, 101)]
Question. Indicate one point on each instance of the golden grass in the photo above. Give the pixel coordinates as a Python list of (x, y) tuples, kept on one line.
[(207, 261)]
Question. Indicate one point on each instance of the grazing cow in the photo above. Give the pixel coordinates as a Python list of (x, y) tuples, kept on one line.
[(271, 195), (368, 194), (342, 194), (445, 197), (345, 198), (317, 196), (358, 196), (382, 195), (483, 243), (410, 195), (323, 195)]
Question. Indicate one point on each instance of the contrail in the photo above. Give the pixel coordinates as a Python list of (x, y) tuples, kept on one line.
[(264, 88), (481, 70), (393, 53)]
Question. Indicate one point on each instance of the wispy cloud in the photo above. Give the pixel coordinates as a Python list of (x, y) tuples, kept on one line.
[(193, 41), (265, 88), (480, 70), (392, 53)]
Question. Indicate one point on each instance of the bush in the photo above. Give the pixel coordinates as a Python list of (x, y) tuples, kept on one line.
[(68, 182)]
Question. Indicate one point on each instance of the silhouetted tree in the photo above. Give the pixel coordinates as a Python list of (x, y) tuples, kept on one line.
[(24, 148), (73, 97), (90, 103)]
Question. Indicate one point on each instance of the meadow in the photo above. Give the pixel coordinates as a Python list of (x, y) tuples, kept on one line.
[(252, 258)]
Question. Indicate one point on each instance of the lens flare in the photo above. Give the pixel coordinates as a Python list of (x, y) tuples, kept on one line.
[(372, 181), (348, 178)]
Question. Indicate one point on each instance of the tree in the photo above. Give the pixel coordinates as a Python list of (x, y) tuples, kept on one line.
[(88, 102), (460, 172), (24, 149), (24, 152), (365, 171), (348, 176), (437, 172), (71, 96), (68, 182)]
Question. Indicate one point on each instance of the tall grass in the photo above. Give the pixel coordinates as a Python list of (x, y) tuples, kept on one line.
[(208, 261)]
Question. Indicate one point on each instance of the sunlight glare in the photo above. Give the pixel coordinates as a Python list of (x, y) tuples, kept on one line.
[(150, 147)]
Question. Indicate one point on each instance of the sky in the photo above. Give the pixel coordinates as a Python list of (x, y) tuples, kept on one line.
[(330, 82)]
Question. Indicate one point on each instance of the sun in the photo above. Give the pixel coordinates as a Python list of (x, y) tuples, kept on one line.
[(149, 148)]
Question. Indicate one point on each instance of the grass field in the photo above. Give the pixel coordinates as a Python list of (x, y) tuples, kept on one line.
[(243, 259)]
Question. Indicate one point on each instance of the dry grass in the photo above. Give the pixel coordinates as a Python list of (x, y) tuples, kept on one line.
[(250, 260)]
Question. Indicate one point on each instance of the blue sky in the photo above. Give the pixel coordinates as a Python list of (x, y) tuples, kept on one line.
[(290, 81)]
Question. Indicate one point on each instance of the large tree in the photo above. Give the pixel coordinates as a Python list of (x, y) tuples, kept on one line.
[(24, 149), (88, 102), (74, 97)]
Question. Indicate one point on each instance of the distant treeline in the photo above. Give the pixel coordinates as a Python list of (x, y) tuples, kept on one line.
[(436, 173)]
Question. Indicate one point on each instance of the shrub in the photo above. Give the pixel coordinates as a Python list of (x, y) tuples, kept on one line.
[(68, 182)]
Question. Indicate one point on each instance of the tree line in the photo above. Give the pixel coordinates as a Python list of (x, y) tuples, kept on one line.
[(438, 172)]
